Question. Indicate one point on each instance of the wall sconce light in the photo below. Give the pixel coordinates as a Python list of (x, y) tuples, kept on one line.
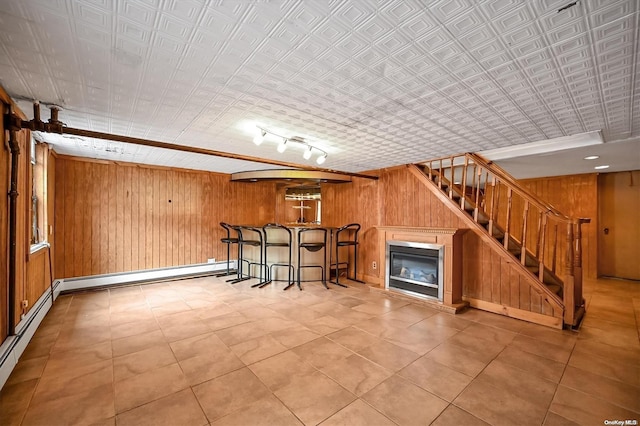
[(286, 141)]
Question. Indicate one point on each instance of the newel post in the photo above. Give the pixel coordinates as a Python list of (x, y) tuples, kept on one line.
[(569, 278)]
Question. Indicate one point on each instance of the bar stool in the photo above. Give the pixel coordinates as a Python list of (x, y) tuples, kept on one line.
[(228, 240), (284, 241), (312, 246), (252, 237), (347, 236)]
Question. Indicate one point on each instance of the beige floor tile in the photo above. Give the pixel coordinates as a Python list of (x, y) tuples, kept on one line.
[(179, 331), (444, 319), (27, 370), (87, 407), (563, 338), (138, 342), (207, 366), (585, 409), (627, 355), (436, 378), (524, 385), (295, 336), (478, 342), (39, 346), (257, 349), (213, 310), (554, 419), (622, 337), (131, 315), (73, 338), (230, 393), (378, 326), (358, 413), (613, 391), (353, 338), (453, 415), (80, 379), (540, 348), (180, 408), (87, 330), (356, 374), (148, 386), (129, 329), (405, 403), (413, 313), (241, 333), (203, 344), (321, 352), (135, 363), (166, 306), (540, 366), (460, 359), (325, 324), (498, 406), (267, 411), (59, 361), (388, 355), (278, 371), (618, 370), (14, 401), (314, 397)]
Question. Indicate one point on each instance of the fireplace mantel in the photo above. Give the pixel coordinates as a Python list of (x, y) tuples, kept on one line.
[(450, 238)]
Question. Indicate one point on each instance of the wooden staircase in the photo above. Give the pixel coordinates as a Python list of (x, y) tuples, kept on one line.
[(544, 243)]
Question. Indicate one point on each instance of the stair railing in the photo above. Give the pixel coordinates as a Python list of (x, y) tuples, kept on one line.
[(527, 225)]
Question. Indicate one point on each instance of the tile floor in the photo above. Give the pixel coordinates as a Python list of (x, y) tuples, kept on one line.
[(201, 351)]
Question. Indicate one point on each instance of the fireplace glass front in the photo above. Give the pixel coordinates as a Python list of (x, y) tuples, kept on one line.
[(415, 268)]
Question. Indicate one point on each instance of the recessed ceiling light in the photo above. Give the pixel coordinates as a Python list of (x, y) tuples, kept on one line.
[(592, 157), (601, 167)]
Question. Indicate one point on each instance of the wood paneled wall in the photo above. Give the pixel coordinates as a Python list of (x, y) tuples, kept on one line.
[(575, 196), (32, 270), (116, 218), (5, 160), (356, 202), (399, 198)]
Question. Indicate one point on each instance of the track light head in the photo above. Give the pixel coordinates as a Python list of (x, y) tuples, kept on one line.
[(282, 146), (321, 159), (307, 153), (259, 138)]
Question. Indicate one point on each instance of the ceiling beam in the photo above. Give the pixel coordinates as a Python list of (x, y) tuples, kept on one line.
[(56, 126)]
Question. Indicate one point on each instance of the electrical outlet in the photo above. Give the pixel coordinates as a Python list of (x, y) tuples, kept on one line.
[(374, 264), (211, 260)]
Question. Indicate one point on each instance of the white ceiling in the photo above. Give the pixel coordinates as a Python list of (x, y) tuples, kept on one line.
[(373, 83)]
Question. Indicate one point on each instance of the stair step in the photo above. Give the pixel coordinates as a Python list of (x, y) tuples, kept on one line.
[(555, 288)]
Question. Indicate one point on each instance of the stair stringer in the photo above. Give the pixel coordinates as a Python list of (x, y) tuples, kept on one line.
[(552, 311)]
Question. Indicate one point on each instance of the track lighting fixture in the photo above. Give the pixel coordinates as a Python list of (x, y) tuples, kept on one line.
[(286, 141)]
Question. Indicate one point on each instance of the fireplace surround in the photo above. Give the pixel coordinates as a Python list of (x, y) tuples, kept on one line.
[(448, 242), (414, 268)]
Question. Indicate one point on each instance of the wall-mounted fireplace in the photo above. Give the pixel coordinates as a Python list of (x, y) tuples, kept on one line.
[(415, 268)]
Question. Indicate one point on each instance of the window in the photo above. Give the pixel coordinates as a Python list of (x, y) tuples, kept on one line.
[(38, 210)]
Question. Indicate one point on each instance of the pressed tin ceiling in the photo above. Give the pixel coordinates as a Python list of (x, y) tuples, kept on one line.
[(372, 83)]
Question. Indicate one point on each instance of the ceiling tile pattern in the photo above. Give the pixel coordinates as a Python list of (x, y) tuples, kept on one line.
[(373, 83)]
